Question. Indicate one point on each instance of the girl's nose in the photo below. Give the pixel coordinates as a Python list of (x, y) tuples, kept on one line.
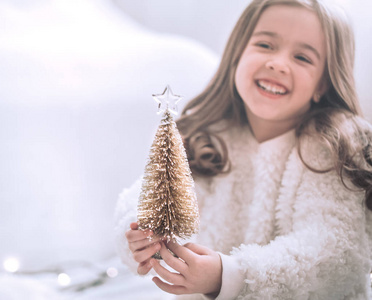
[(277, 65)]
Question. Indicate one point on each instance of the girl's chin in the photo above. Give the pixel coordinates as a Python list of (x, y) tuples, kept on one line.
[(264, 115)]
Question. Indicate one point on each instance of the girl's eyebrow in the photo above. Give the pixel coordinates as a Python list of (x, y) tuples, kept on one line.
[(269, 33), (311, 48), (302, 45)]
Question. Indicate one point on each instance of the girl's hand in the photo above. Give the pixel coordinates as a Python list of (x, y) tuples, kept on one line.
[(199, 269), (142, 247)]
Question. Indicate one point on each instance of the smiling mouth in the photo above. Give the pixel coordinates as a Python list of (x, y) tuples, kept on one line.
[(271, 88)]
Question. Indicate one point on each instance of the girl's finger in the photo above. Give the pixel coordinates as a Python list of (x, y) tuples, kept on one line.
[(142, 255), (184, 253), (198, 249), (144, 267), (134, 226), (174, 278), (137, 235), (172, 289), (141, 244), (174, 262)]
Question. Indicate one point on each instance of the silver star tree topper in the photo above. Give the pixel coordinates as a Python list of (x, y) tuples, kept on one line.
[(167, 101)]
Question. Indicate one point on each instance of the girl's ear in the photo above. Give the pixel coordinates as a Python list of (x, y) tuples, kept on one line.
[(320, 91), (316, 97)]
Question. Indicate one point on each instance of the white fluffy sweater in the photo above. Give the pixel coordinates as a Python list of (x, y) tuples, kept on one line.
[(282, 231)]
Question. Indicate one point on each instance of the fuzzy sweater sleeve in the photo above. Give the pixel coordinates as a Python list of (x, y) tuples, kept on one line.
[(325, 256), (126, 213)]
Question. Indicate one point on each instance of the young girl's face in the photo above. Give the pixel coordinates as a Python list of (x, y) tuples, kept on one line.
[(282, 66)]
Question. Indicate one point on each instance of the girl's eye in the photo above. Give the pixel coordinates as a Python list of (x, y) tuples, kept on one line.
[(264, 45), (303, 58)]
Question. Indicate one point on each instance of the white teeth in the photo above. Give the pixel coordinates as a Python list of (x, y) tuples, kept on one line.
[(271, 88)]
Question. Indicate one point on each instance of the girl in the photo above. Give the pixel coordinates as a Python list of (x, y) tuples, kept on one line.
[(282, 165)]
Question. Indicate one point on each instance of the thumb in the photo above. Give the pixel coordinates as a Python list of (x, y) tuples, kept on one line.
[(198, 249)]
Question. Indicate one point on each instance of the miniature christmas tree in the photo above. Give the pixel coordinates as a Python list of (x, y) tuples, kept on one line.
[(167, 203)]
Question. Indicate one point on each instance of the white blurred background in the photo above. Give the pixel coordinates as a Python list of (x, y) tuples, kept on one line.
[(77, 119), (76, 112)]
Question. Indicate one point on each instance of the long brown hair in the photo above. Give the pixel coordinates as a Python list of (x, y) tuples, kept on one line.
[(337, 108)]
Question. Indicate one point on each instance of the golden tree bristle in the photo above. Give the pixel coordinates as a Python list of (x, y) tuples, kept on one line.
[(167, 203)]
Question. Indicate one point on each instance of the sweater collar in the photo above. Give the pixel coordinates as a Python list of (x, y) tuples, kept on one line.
[(277, 145)]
